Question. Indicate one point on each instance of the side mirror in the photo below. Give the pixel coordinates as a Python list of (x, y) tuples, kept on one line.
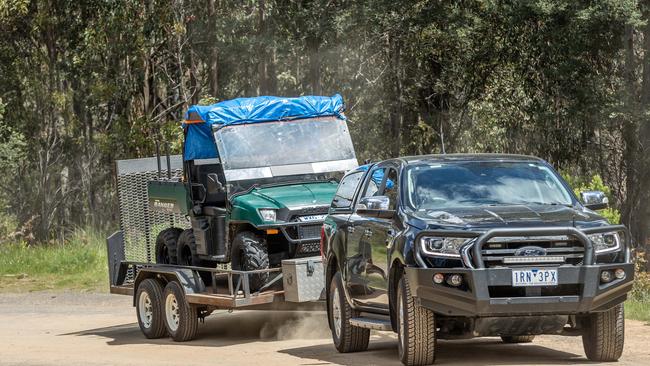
[(594, 200), (214, 186), (375, 206), (375, 203)]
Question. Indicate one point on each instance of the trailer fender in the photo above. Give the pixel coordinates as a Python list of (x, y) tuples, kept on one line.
[(189, 279)]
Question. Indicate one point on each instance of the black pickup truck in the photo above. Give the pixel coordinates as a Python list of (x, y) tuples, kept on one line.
[(460, 246)]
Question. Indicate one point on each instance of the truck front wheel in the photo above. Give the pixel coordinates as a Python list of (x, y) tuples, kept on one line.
[(416, 329), (249, 253), (604, 334), (347, 337)]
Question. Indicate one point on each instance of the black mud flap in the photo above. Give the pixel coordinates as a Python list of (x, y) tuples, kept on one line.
[(115, 247)]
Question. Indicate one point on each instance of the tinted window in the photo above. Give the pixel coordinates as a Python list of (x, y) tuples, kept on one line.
[(374, 183), (346, 189), (391, 190)]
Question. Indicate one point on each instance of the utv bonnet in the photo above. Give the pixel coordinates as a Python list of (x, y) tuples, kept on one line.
[(199, 120)]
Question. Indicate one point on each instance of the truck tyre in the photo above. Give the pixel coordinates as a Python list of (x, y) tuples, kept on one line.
[(604, 334), (518, 339), (416, 329), (249, 253), (149, 308), (166, 245), (187, 249), (181, 318), (347, 337)]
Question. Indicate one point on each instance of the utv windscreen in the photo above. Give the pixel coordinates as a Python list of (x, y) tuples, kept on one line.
[(285, 148), (437, 186)]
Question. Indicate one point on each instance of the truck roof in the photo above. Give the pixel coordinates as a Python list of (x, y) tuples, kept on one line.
[(468, 157)]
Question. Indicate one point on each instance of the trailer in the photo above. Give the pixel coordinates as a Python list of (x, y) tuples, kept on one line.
[(234, 222), (194, 292)]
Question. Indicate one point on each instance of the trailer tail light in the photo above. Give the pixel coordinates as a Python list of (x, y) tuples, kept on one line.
[(322, 242)]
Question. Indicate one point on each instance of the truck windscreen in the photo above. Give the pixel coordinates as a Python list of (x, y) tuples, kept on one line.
[(436, 186)]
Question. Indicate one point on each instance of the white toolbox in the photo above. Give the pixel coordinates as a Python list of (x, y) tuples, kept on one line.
[(303, 279)]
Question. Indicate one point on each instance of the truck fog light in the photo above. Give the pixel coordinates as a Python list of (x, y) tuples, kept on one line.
[(438, 278), (454, 280), (606, 276), (619, 273)]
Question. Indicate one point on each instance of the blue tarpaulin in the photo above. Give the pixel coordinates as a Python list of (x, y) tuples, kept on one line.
[(199, 141)]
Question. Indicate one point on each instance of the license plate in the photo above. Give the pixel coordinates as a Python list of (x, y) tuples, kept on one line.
[(311, 218), (534, 277)]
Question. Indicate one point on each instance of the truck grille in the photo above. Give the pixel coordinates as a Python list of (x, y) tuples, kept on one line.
[(518, 251)]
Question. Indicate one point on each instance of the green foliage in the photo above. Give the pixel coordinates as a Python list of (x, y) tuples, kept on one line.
[(638, 305), (79, 262), (88, 82), (596, 183)]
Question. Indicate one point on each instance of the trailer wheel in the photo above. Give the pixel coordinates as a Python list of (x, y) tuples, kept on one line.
[(604, 334), (149, 308), (518, 339), (166, 245), (347, 337), (249, 253), (416, 329), (187, 249), (181, 318)]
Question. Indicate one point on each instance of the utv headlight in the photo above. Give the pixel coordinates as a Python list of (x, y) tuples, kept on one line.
[(606, 242), (442, 247), (268, 214)]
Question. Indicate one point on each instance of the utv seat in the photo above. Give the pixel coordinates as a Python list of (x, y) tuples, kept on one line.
[(200, 175)]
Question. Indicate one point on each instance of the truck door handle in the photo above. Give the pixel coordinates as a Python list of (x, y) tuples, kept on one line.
[(350, 229), (367, 233)]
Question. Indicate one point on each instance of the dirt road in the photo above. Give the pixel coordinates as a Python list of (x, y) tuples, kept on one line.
[(99, 329)]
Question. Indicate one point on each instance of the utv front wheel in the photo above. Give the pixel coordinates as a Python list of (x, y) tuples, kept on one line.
[(347, 337), (604, 334), (166, 245), (416, 329), (249, 253)]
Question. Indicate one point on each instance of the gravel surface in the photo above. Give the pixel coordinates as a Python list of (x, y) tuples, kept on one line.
[(71, 328)]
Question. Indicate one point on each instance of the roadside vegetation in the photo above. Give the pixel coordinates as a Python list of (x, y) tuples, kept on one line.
[(638, 304), (78, 263)]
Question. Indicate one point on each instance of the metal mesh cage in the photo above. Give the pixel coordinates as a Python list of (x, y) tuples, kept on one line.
[(139, 225)]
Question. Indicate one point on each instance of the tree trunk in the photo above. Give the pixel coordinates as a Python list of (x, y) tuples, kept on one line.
[(213, 63), (313, 49)]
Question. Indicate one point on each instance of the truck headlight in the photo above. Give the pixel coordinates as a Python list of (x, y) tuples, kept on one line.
[(442, 247), (268, 214), (606, 242)]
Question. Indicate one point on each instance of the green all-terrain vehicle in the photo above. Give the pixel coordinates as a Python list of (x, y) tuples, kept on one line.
[(258, 177)]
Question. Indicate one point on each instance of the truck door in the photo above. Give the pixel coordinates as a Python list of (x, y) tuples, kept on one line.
[(363, 256), (342, 225), (381, 232)]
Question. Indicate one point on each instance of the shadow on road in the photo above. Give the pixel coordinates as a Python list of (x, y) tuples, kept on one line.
[(224, 329), (466, 352)]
